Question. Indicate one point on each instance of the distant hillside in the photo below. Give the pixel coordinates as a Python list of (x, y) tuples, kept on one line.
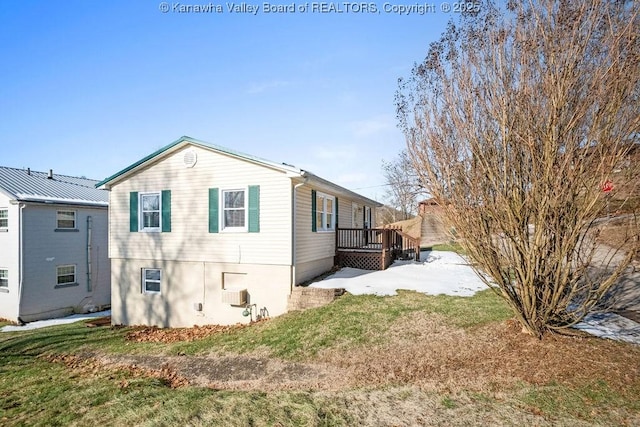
[(625, 197)]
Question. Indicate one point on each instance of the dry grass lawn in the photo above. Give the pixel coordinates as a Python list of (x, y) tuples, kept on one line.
[(408, 360), (426, 371)]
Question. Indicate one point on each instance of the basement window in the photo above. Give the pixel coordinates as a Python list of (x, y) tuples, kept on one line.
[(151, 280)]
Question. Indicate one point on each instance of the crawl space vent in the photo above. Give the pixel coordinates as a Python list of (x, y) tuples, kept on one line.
[(190, 158)]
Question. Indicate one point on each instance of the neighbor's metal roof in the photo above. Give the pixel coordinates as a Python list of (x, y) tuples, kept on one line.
[(33, 186)]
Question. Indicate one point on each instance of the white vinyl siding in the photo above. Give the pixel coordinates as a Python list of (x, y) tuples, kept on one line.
[(190, 238), (151, 280), (310, 245)]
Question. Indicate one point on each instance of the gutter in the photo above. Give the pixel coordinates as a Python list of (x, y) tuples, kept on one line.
[(20, 260), (294, 207), (89, 239)]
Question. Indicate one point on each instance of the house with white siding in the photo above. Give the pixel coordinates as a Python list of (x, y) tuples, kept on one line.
[(200, 234), (53, 245)]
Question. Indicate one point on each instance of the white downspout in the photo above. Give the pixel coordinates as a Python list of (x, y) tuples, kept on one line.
[(89, 238), (294, 205), (20, 259)]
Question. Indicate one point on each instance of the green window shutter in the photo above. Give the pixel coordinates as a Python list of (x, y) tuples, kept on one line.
[(213, 210), (254, 209), (314, 227), (166, 210), (337, 213), (133, 211)]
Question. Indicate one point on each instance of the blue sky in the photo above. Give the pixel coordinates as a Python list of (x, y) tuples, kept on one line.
[(90, 87)]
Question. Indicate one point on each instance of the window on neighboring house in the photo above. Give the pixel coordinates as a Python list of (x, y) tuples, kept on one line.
[(66, 219), (233, 209), (151, 278), (4, 278), (66, 275), (325, 212), (150, 212), (4, 218)]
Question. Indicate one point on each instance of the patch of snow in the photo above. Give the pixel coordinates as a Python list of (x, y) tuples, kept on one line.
[(612, 326), (53, 322), (450, 274), (438, 273)]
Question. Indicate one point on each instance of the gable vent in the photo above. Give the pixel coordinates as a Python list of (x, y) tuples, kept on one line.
[(190, 158)]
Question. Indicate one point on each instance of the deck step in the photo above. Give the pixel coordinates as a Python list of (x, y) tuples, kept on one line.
[(303, 297)]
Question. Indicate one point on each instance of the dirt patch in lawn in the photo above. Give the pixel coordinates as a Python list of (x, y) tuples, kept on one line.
[(439, 357), (421, 350), (236, 372)]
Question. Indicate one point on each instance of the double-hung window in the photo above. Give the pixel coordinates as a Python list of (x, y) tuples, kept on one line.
[(234, 209), (4, 219), (325, 212), (66, 219), (151, 280), (234, 215), (150, 211), (66, 275), (4, 278)]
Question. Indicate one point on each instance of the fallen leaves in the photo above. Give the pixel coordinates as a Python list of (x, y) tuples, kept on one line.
[(89, 365), (171, 335)]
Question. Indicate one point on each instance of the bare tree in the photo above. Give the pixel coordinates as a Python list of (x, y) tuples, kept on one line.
[(404, 187), (514, 120)]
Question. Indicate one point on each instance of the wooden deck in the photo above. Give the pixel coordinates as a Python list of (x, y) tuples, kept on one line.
[(374, 248)]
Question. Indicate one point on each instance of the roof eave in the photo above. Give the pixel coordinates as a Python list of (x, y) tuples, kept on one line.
[(118, 176), (66, 202), (325, 185), (184, 140)]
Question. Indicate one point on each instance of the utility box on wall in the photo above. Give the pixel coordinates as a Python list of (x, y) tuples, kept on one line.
[(234, 296)]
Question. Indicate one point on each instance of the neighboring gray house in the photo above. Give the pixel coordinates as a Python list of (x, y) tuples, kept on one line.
[(53, 245)]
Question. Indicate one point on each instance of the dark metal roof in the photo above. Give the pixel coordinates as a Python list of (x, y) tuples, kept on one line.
[(33, 186)]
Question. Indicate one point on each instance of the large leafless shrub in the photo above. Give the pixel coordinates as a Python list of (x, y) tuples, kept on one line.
[(515, 119)]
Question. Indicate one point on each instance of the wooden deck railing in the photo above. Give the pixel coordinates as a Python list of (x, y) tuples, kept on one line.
[(391, 242), (409, 247)]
